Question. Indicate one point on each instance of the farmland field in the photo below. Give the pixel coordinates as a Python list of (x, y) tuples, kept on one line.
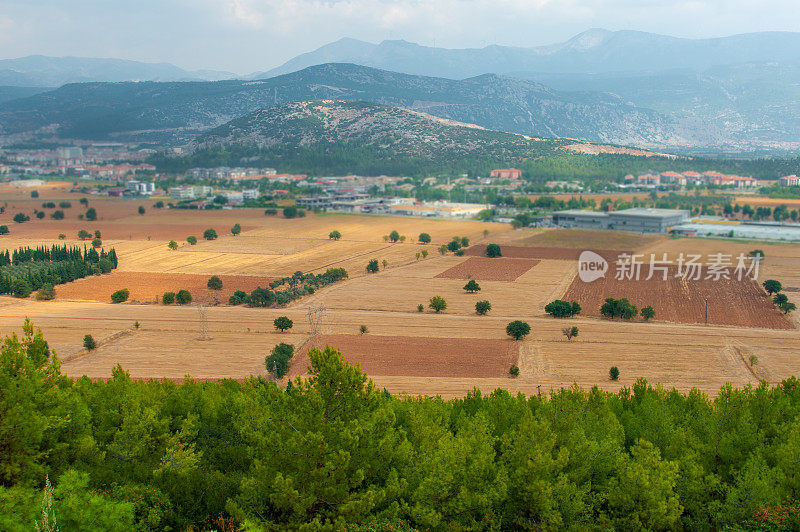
[(405, 350)]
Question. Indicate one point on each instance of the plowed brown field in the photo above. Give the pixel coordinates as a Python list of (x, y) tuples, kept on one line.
[(149, 287), (730, 301), (486, 269), (418, 357), (524, 252)]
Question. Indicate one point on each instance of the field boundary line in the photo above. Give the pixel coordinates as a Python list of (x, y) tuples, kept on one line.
[(108, 340)]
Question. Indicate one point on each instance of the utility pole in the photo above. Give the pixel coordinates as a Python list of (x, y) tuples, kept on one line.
[(706, 312)]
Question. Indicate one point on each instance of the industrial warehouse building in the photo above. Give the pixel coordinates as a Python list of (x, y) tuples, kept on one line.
[(638, 220)]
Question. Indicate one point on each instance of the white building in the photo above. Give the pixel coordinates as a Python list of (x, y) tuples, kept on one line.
[(182, 193), (250, 194)]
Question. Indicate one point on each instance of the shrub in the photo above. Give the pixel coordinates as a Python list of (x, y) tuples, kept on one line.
[(34, 193), (192, 240), (424, 253), (97, 233), (21, 218), (105, 265), (570, 332), (83, 201), (91, 214), (159, 205), (493, 250), (120, 296), (236, 229), (261, 297), (562, 309), (62, 236), (172, 245), (513, 370), (424, 238), (270, 212), (464, 242), (214, 283), (57, 215), (141, 210), (20, 287), (183, 297), (394, 236), (282, 323), (372, 266), (168, 298), (453, 245), (290, 212), (363, 329), (437, 303), (83, 234), (482, 307), (619, 308), (40, 215), (420, 308), (771, 286), (88, 342), (64, 204), (472, 286), (46, 293), (3, 229), (97, 243), (209, 234), (518, 329), (613, 373), (277, 362), (334, 235), (648, 313)]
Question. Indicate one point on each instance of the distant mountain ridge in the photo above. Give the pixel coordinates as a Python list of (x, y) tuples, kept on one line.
[(591, 52), (44, 71)]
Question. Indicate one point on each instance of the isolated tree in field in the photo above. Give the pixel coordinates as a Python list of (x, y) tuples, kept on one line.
[(192, 240), (270, 211), (453, 245), (88, 342), (757, 254), (57, 215), (34, 193), (437, 303), (424, 253), (290, 212), (172, 245), (772, 286), (385, 238), (214, 283), (402, 238), (141, 210), (238, 297), (236, 229), (613, 373), (424, 238), (83, 234), (780, 299), (385, 263), (787, 307), (443, 249), (97, 243), (372, 266), (418, 255), (485, 233), (648, 313), (513, 370), (562, 309), (363, 329), (159, 204), (619, 308), (183, 297), (420, 308), (97, 233), (120, 296), (334, 235), (464, 242), (61, 236), (472, 286), (394, 236), (83, 201), (518, 329), (493, 250), (209, 234), (91, 214), (282, 323), (482, 307), (21, 217), (570, 332), (277, 362), (3, 229), (40, 215)]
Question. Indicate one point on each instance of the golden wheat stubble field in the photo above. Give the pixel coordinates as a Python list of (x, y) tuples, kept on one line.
[(167, 343)]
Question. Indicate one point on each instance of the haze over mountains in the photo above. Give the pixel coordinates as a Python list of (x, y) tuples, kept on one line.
[(733, 94)]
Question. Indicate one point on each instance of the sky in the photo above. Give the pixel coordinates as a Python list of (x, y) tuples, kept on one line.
[(244, 36)]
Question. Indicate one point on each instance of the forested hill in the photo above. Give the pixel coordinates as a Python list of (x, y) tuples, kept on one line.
[(334, 453), (340, 137)]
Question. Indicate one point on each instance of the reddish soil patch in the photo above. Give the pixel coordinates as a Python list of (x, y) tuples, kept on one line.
[(730, 301), (486, 269), (525, 252), (149, 287), (419, 357)]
